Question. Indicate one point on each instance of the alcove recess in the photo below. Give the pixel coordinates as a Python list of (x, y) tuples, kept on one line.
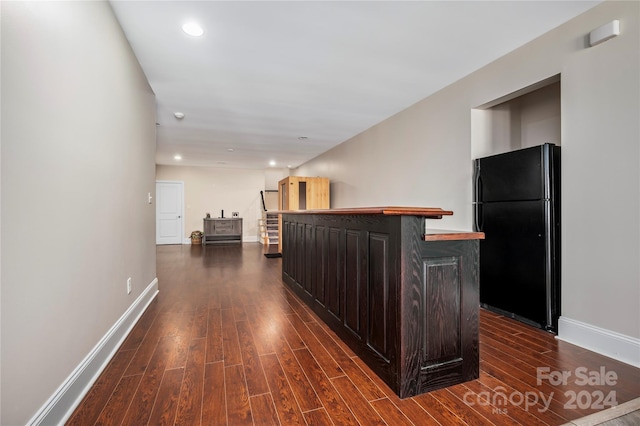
[(522, 119)]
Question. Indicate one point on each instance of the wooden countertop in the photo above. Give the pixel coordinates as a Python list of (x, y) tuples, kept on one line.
[(445, 235), (428, 212)]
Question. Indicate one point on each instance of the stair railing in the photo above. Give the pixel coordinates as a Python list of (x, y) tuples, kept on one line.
[(264, 206)]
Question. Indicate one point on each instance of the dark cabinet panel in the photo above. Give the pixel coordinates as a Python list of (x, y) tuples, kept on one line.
[(321, 271), (450, 352), (334, 278), (442, 298), (309, 256), (300, 254), (288, 244), (352, 288), (378, 295)]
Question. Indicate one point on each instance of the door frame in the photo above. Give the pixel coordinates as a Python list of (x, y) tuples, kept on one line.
[(181, 183)]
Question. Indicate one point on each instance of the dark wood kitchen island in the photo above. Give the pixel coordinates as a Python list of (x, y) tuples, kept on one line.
[(406, 302)]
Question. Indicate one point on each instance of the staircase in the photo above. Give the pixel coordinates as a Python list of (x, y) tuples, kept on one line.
[(269, 233), (269, 228)]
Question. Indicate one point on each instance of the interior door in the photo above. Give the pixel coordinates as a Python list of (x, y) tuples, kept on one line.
[(169, 214)]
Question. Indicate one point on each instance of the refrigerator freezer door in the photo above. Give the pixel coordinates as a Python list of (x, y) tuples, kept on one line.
[(512, 260), (513, 176)]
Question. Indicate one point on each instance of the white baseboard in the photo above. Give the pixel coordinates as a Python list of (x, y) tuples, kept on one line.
[(67, 397), (605, 342)]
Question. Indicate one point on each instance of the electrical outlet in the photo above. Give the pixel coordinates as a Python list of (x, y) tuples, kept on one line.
[(129, 285)]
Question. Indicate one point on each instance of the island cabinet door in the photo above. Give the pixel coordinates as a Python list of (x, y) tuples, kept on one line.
[(448, 351), (321, 269), (304, 258), (288, 252), (298, 252), (326, 272)]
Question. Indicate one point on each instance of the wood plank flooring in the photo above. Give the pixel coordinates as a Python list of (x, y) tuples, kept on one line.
[(226, 343)]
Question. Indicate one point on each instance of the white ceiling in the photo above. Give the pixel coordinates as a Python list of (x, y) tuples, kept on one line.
[(268, 72)]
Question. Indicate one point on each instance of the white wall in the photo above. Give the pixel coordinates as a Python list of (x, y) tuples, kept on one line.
[(422, 156), (601, 160), (540, 117), (78, 149), (211, 190), (272, 177)]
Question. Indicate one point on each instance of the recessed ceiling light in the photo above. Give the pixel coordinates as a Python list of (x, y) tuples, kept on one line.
[(230, 149), (177, 157), (272, 163), (178, 115), (193, 29), (302, 138)]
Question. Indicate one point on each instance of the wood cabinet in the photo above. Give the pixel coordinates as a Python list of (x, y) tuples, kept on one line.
[(406, 305), (222, 230)]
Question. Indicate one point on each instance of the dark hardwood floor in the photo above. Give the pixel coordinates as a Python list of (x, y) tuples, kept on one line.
[(226, 343)]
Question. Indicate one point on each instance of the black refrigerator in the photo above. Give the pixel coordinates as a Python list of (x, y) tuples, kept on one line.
[(517, 206)]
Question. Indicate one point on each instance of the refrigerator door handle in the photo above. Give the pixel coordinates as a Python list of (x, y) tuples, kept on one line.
[(477, 190), (549, 284), (477, 210), (477, 217)]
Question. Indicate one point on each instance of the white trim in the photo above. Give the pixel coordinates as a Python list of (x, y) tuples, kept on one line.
[(605, 342), (68, 396)]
